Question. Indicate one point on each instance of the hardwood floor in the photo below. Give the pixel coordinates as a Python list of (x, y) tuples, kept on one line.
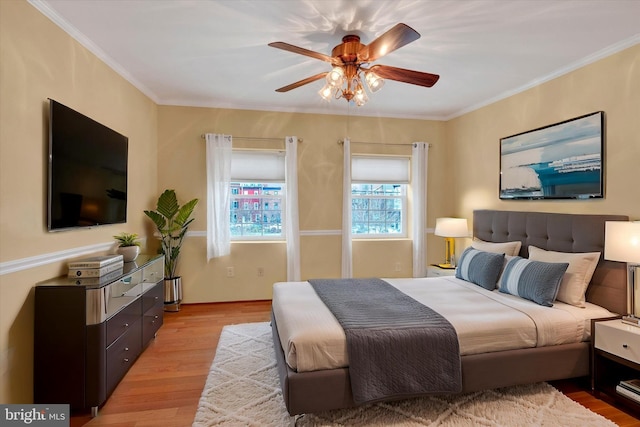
[(164, 385)]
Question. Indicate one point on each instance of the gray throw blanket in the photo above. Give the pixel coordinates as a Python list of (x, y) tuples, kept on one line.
[(397, 347)]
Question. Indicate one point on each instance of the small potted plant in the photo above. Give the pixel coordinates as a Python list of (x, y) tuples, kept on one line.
[(128, 246)]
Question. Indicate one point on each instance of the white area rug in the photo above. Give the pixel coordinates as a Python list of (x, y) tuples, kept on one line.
[(243, 389)]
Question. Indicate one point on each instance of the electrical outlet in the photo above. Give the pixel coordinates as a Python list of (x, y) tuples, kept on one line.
[(397, 266), (231, 272), (260, 272)]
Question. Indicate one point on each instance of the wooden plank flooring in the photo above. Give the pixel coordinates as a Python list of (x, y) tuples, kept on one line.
[(164, 385)]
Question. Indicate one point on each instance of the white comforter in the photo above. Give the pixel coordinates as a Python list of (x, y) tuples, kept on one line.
[(485, 321)]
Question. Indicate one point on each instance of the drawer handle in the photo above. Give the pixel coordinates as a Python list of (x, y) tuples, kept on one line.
[(126, 325), (126, 359), (625, 346), (126, 349), (155, 317)]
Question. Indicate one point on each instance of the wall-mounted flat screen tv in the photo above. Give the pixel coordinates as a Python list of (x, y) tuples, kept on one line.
[(87, 183)]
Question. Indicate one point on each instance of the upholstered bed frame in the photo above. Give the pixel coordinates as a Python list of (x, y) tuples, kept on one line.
[(315, 391)]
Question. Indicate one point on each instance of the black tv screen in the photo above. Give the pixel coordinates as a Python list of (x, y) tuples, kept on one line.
[(87, 171)]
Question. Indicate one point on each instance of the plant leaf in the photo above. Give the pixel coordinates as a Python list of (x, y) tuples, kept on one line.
[(157, 219), (185, 212), (168, 204)]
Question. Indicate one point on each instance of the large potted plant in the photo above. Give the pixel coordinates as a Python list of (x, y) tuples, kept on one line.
[(171, 221)]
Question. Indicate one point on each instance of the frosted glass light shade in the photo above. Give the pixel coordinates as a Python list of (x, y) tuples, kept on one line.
[(335, 77), (327, 92), (374, 82), (360, 97)]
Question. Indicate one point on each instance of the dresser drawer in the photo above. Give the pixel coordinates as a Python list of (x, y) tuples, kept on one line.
[(122, 353), (153, 297), (151, 322), (123, 320), (618, 338)]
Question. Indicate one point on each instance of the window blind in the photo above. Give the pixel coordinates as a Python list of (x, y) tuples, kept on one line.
[(380, 170), (263, 166)]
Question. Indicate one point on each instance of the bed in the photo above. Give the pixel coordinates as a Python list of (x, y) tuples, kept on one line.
[(309, 390)]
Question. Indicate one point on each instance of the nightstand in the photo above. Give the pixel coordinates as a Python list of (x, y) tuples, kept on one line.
[(615, 357), (433, 271)]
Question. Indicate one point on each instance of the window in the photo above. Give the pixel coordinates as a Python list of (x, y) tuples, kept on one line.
[(257, 195), (379, 196), (378, 209), (259, 217)]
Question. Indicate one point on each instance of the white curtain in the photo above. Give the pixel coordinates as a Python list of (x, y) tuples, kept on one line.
[(419, 162), (347, 264), (218, 194), (292, 221)]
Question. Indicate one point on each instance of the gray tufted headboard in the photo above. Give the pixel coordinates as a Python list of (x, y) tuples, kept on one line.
[(562, 233)]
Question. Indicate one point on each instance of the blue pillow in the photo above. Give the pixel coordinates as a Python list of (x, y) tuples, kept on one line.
[(479, 267), (533, 280)]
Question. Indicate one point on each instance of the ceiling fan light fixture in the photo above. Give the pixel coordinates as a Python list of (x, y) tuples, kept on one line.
[(335, 77), (348, 61), (327, 92), (360, 96), (374, 82)]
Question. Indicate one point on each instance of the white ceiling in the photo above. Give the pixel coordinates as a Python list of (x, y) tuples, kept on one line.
[(214, 53)]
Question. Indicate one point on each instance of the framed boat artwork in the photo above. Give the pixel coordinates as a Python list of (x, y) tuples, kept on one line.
[(559, 161)]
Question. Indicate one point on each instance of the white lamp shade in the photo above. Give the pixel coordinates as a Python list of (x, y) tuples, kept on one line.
[(622, 241), (451, 227)]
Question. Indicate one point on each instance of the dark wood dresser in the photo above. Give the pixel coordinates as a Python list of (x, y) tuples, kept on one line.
[(87, 334)]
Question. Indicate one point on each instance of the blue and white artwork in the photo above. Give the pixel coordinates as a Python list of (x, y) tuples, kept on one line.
[(559, 161)]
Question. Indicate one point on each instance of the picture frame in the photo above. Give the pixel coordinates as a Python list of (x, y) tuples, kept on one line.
[(560, 161)]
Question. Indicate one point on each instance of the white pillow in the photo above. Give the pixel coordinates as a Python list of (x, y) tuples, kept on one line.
[(507, 248), (577, 277)]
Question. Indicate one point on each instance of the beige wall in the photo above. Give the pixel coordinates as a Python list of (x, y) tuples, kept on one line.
[(611, 85), (181, 160), (41, 61)]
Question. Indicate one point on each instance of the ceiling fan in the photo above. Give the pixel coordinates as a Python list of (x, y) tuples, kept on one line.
[(350, 60)]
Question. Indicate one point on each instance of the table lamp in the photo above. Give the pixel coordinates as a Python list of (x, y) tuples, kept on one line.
[(450, 228), (622, 243)]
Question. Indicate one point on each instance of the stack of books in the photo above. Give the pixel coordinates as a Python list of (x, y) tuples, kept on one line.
[(96, 270), (630, 389)]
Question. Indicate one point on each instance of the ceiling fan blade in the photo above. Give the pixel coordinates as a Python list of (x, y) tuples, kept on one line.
[(302, 51), (302, 82), (406, 76), (395, 38)]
